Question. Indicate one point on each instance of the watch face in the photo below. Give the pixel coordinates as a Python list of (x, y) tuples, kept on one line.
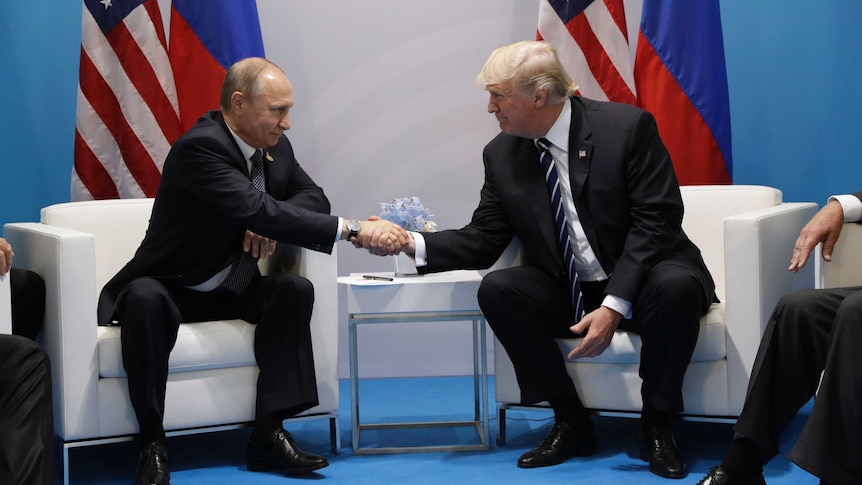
[(354, 225)]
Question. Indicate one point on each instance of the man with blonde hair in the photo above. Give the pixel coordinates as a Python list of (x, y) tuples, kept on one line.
[(590, 191)]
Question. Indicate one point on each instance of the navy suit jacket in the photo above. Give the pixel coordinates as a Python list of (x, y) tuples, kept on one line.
[(625, 192), (205, 203)]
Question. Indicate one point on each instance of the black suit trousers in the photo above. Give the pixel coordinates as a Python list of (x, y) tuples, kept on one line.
[(811, 333), (26, 415), (280, 306), (28, 302), (527, 309)]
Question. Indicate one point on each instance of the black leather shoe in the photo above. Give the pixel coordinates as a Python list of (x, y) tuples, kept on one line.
[(153, 465), (717, 476), (563, 442), (281, 453), (658, 447)]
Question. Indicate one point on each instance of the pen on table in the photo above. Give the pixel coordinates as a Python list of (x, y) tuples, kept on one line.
[(374, 277)]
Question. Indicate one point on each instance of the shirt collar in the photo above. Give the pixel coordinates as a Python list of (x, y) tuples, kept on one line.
[(559, 132), (246, 149)]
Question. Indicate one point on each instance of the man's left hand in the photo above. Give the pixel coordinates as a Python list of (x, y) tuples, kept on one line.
[(598, 328)]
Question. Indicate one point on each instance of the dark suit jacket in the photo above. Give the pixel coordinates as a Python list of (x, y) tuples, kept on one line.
[(205, 203), (625, 191)]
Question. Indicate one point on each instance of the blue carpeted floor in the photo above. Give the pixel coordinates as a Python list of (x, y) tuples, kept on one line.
[(219, 458)]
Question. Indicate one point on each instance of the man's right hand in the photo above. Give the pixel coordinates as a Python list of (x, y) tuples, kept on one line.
[(381, 237), (824, 227), (5, 256)]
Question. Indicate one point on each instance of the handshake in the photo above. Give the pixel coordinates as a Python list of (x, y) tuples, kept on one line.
[(383, 238)]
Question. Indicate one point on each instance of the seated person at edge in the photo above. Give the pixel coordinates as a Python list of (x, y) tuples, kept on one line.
[(810, 346), (219, 207), (26, 413), (627, 264)]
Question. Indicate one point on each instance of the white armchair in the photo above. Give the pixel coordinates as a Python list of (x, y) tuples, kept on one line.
[(76, 248), (746, 235)]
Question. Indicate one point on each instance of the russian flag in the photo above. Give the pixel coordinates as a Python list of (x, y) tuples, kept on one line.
[(681, 78), (206, 39)]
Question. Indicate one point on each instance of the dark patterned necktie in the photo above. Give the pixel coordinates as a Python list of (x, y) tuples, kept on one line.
[(245, 268), (552, 180)]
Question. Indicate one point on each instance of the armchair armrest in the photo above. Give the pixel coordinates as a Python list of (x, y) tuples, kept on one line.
[(758, 245), (65, 258), (844, 269), (5, 305)]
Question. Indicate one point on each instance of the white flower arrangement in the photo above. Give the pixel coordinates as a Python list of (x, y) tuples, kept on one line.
[(409, 213)]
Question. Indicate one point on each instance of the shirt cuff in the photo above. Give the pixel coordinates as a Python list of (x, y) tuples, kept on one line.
[(851, 205), (617, 304), (338, 229), (420, 254)]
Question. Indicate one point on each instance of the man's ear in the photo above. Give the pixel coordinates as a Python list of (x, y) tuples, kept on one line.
[(540, 98), (236, 101)]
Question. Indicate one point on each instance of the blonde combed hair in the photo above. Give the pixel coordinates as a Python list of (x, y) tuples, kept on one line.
[(531, 66)]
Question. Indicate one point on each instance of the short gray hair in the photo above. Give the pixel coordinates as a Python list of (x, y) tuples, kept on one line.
[(244, 76)]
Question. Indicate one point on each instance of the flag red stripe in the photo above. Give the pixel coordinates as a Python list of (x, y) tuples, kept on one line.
[(696, 156), (145, 81), (107, 107), (92, 173), (618, 13), (600, 63), (156, 18)]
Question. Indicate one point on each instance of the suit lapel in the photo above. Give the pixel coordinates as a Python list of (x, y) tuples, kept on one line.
[(580, 149)]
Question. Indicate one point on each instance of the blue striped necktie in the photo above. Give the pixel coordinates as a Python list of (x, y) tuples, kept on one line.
[(552, 180), (245, 267)]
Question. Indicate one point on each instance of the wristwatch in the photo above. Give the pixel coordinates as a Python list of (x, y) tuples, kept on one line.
[(354, 226)]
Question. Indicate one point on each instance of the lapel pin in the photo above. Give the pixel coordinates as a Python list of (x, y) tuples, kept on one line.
[(582, 154), (268, 156)]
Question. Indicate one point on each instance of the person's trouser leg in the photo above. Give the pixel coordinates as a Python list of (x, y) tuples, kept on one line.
[(149, 319), (788, 365), (26, 416), (28, 302), (830, 445), (667, 317), (280, 305), (527, 309)]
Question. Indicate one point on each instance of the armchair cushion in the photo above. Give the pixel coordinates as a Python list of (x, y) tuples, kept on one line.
[(205, 345)]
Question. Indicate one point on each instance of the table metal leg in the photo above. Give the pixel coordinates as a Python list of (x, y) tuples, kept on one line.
[(354, 384)]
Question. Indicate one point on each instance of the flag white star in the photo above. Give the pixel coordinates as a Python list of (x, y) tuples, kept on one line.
[(106, 3)]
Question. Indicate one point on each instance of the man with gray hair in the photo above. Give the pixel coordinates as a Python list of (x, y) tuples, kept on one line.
[(231, 187), (589, 189)]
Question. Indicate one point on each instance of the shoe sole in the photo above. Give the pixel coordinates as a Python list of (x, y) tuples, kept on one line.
[(267, 466)]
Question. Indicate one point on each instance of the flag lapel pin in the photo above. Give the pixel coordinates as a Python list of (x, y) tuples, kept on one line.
[(582, 154)]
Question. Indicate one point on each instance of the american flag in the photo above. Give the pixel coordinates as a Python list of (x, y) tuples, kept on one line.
[(127, 115), (678, 73), (592, 42)]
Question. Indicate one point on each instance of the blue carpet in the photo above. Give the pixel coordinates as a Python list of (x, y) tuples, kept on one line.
[(219, 458)]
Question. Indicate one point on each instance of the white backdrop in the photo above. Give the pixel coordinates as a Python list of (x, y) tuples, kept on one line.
[(387, 106)]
